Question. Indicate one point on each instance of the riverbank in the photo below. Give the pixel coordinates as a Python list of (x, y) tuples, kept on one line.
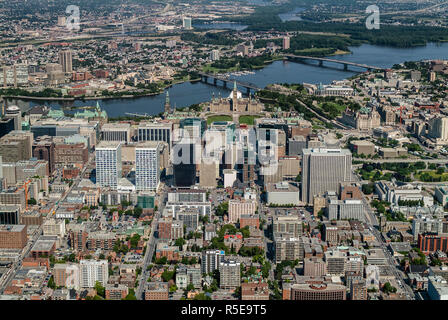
[(89, 98)]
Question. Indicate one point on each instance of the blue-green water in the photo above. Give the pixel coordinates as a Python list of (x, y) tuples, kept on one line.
[(185, 94)]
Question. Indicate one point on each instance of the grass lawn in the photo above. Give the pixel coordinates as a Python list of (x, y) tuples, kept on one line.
[(431, 176), (249, 120), (212, 119)]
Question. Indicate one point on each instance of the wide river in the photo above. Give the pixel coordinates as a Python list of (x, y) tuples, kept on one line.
[(186, 94)]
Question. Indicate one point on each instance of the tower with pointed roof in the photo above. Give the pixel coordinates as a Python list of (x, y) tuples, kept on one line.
[(167, 103), (235, 96)]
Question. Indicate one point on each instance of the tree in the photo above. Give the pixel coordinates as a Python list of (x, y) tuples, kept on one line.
[(134, 240), (162, 260), (367, 188), (32, 201), (388, 288), (180, 242), (222, 208), (202, 296), (173, 288), (167, 275), (190, 287), (100, 290), (51, 283)]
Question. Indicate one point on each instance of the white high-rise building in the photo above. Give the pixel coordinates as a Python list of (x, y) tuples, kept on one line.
[(93, 271), (214, 55), (323, 170), (108, 164), (438, 129), (147, 166), (186, 23)]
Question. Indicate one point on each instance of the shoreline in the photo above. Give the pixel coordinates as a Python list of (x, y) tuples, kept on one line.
[(74, 99)]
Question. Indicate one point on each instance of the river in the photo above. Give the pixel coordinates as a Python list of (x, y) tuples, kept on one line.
[(185, 94)]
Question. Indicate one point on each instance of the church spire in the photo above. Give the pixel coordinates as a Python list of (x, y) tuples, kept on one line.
[(167, 103)]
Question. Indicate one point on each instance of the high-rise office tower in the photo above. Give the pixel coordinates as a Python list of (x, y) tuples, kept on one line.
[(13, 112), (92, 271), (156, 131), (65, 60), (211, 259), (108, 164), (184, 166), (147, 167), (43, 149), (186, 23), (214, 55), (286, 43), (229, 274), (323, 170)]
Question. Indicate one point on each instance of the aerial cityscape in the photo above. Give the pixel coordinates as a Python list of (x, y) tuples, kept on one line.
[(230, 150)]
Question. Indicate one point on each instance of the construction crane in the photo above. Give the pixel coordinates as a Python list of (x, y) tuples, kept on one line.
[(401, 118), (25, 186)]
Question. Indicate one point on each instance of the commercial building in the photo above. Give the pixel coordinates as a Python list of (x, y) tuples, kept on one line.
[(43, 149), (241, 207), (323, 170), (16, 75), (186, 275), (71, 154), (13, 112), (108, 164), (345, 210), (92, 271), (335, 261), (13, 236), (190, 218), (65, 60), (16, 146), (214, 55), (441, 194), (186, 23), (430, 242), (10, 214), (156, 291), (119, 132), (254, 291), (147, 166), (314, 267), (66, 275), (229, 274), (155, 131), (358, 290), (116, 291), (438, 129), (290, 224), (54, 227), (287, 248), (286, 43), (184, 164), (211, 260), (390, 192), (364, 147), (315, 290), (282, 193), (437, 288)]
